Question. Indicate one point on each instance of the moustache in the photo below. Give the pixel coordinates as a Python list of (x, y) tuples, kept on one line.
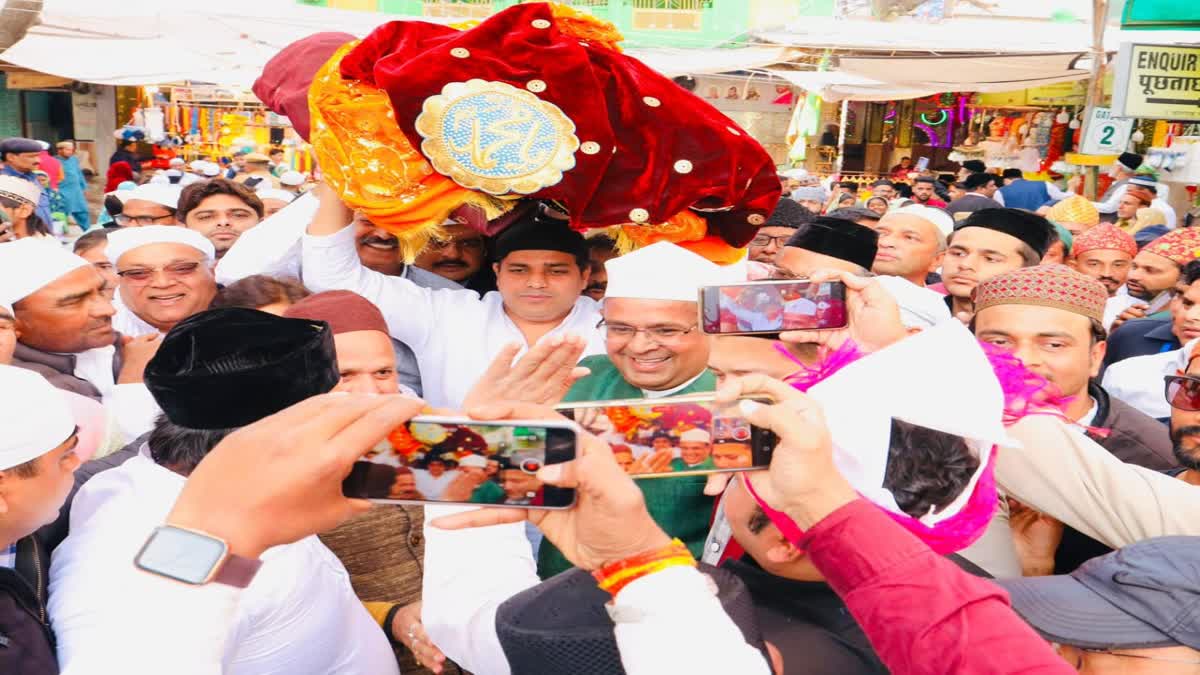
[(372, 240), (1105, 280), (452, 262)]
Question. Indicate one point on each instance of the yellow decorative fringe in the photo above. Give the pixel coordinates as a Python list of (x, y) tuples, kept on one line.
[(575, 23)]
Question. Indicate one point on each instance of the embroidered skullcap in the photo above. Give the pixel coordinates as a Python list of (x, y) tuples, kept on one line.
[(1105, 236), (1056, 286), (1179, 246), (1074, 209), (126, 239), (20, 190)]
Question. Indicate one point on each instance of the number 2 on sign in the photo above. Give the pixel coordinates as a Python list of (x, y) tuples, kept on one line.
[(1108, 132)]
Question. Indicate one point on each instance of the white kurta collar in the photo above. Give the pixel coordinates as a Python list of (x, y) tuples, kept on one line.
[(673, 390)]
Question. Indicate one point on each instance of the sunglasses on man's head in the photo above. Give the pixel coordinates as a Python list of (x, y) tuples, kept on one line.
[(1183, 392)]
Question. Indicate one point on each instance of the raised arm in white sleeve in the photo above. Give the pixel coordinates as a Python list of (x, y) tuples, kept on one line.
[(272, 247), (1056, 193), (661, 618), (1110, 205), (331, 263), (460, 595)]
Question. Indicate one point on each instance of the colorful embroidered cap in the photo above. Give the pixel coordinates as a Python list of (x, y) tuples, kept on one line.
[(1105, 236), (1180, 246), (1076, 210), (1056, 286)]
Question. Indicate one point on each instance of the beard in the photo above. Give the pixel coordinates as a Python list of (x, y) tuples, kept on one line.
[(1187, 456)]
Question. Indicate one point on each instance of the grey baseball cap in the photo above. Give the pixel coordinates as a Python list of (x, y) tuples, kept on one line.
[(1146, 594)]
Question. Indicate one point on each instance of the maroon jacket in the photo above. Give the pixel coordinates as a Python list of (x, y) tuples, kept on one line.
[(923, 614)]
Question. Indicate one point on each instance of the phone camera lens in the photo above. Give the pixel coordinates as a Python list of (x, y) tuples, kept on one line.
[(530, 465)]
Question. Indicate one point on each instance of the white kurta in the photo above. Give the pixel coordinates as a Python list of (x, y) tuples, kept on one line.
[(679, 611), (1117, 304), (130, 406), (455, 334), (299, 615), (1138, 381)]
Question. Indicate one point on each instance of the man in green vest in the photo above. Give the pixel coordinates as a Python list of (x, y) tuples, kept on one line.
[(695, 451), (654, 349)]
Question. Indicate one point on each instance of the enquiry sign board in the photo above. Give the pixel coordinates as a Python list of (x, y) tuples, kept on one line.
[(1157, 82)]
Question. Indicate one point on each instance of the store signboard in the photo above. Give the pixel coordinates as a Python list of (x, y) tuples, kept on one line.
[(1104, 134), (1157, 82), (1161, 14)]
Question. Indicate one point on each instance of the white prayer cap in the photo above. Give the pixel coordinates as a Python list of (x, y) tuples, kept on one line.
[(936, 217), (197, 165), (21, 190), (126, 239), (174, 173), (291, 178), (796, 173), (907, 381), (695, 436), (34, 415), (664, 271), (163, 194), (30, 263), (159, 179), (919, 306), (274, 193), (477, 461), (212, 170), (176, 162)]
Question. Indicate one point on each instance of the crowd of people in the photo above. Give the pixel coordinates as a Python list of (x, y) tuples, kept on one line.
[(986, 465)]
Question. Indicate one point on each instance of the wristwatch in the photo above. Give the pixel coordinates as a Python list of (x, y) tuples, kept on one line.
[(194, 557)]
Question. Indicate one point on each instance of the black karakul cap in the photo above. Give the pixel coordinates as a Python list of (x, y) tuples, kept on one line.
[(537, 231), (838, 238), (1028, 227), (561, 626), (226, 368)]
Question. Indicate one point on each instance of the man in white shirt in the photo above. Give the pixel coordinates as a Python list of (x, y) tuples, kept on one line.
[(217, 372), (541, 270), (65, 321), (166, 275)]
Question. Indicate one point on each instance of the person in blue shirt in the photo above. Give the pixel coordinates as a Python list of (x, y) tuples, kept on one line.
[(20, 157), (73, 186)]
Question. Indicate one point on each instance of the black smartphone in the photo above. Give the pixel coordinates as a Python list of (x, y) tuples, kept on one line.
[(656, 438), (759, 307), (456, 460)]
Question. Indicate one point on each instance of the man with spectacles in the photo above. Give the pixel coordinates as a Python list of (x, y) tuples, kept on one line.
[(165, 277), (1131, 612), (774, 233), (149, 204), (654, 349), (458, 254), (1183, 395), (219, 209)]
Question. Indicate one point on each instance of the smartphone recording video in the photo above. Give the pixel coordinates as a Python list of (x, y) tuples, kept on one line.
[(771, 307), (448, 460), (659, 438)]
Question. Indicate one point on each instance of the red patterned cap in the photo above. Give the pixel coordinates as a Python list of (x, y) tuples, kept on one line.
[(1045, 286), (1105, 236), (1179, 246)]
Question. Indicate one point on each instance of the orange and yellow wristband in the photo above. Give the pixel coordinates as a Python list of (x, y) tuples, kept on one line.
[(617, 575)]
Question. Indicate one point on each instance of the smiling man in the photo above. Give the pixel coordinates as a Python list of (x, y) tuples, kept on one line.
[(166, 276), (1105, 253), (219, 209), (654, 349), (458, 254)]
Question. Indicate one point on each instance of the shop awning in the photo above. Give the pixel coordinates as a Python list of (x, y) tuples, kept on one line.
[(227, 42)]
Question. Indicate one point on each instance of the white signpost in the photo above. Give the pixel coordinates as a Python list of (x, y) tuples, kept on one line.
[(1104, 134)]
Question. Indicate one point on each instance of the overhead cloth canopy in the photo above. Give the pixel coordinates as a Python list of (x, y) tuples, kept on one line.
[(879, 78), (227, 42)]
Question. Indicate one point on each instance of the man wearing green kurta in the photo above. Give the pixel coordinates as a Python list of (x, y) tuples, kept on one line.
[(655, 349)]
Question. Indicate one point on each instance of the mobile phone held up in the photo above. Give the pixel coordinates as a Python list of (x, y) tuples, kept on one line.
[(456, 460), (657, 438), (760, 307)]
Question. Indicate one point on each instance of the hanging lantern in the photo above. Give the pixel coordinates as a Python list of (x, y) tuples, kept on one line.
[(1137, 136), (1063, 117)]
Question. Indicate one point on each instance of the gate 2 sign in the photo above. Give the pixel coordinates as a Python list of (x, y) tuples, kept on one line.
[(1104, 134), (1157, 82)]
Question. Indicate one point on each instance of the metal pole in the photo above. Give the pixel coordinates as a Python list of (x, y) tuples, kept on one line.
[(1091, 174), (837, 166)]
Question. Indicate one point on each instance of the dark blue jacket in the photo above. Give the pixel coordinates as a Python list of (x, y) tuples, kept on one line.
[(1030, 195), (1139, 337)]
